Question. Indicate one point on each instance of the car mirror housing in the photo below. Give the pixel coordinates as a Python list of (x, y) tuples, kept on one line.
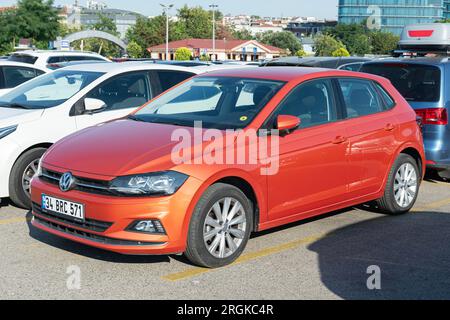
[(286, 124), (92, 105)]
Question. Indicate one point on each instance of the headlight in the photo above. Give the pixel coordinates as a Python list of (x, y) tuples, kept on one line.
[(7, 131), (159, 183)]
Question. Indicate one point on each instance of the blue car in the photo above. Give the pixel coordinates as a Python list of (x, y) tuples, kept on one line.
[(424, 82)]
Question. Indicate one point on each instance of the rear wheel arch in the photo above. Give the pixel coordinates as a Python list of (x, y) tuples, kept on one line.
[(415, 154)]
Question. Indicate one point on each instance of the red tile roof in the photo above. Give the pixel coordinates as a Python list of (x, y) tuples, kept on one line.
[(2, 9), (207, 44)]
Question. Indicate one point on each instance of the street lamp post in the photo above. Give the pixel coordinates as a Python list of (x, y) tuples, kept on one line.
[(213, 7), (166, 8)]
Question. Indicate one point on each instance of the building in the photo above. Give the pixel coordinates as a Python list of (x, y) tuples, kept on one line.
[(391, 15), (303, 29), (239, 50), (447, 9), (78, 16)]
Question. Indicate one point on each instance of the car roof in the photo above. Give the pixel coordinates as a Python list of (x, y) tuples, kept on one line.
[(315, 61), (19, 64), (38, 53), (128, 66), (286, 74), (419, 60)]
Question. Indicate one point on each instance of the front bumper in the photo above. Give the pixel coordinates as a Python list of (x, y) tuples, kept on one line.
[(107, 217)]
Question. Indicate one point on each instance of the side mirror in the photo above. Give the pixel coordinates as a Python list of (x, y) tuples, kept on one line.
[(92, 105), (286, 124)]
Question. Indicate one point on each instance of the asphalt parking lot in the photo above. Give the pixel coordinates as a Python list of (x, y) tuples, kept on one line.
[(324, 258)]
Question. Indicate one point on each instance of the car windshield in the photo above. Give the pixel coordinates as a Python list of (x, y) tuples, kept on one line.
[(415, 82), (218, 102), (48, 90)]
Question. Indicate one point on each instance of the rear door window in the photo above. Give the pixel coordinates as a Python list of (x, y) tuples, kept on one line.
[(415, 82), (24, 58), (129, 90), (14, 76), (360, 97)]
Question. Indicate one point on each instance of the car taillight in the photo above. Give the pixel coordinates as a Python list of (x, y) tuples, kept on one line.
[(437, 116)]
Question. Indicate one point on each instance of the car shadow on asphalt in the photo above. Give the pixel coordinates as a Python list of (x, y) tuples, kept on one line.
[(5, 202), (412, 252), (86, 251)]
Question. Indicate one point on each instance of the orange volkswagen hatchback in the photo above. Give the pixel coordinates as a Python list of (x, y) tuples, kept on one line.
[(227, 153)]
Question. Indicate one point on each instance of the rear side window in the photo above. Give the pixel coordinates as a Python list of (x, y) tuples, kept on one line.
[(360, 97), (168, 79), (24, 58), (55, 59), (415, 82), (14, 76), (389, 103)]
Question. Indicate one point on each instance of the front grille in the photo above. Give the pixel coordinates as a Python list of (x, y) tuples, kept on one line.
[(89, 224), (81, 184), (93, 237)]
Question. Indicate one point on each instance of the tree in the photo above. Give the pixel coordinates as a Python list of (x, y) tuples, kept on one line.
[(182, 54), (325, 45), (33, 19), (135, 50), (341, 52), (196, 21), (284, 40), (354, 37), (383, 42), (243, 34)]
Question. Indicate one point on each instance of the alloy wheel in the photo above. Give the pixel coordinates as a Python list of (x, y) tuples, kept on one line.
[(405, 185), (224, 228)]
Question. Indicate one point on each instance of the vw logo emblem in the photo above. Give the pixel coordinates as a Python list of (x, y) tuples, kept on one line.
[(66, 182)]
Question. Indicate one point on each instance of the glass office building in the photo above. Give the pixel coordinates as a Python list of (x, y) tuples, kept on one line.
[(447, 9), (392, 15)]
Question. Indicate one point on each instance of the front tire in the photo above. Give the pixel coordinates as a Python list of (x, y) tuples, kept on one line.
[(402, 186), (220, 226), (20, 178)]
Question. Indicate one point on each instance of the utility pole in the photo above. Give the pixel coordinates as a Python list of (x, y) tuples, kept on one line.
[(213, 7), (166, 8)]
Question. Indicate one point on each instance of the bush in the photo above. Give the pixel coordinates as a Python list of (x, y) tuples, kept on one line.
[(341, 52), (134, 50), (182, 54)]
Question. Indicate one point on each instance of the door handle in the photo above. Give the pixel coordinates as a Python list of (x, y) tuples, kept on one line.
[(389, 127), (339, 140)]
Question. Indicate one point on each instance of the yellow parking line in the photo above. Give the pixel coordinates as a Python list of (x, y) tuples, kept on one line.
[(246, 257), (13, 220)]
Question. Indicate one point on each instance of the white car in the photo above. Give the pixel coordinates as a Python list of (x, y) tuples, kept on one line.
[(44, 58), (13, 74), (38, 113)]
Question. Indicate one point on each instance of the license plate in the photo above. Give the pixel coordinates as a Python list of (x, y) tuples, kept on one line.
[(63, 207)]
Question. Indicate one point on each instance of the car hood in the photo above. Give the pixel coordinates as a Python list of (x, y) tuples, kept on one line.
[(11, 116), (116, 148)]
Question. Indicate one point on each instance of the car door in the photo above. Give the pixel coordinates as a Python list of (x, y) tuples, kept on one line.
[(121, 94), (312, 161), (370, 128)]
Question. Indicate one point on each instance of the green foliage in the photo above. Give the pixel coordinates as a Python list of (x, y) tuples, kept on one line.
[(205, 58), (135, 50), (341, 52), (284, 40), (383, 42), (183, 54), (301, 53), (32, 19), (325, 45), (243, 34), (354, 37)]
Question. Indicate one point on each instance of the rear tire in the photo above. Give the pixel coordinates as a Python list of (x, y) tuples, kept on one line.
[(217, 240), (402, 186), (24, 167)]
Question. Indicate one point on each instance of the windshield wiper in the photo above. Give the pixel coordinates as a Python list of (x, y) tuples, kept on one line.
[(14, 106), (135, 118)]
